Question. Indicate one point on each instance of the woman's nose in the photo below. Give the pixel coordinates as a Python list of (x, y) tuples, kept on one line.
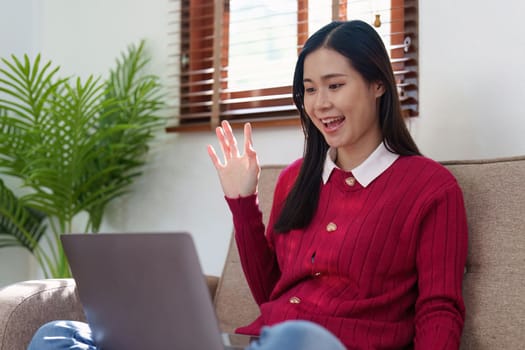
[(322, 101)]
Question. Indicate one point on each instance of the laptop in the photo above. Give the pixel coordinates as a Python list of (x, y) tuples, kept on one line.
[(145, 291)]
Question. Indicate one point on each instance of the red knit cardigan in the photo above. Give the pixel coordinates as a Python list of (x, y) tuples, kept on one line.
[(381, 267)]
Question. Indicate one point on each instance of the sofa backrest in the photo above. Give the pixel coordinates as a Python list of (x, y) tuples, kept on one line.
[(494, 282)]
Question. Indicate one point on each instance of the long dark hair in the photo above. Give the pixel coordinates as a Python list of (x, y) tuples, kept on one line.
[(363, 47)]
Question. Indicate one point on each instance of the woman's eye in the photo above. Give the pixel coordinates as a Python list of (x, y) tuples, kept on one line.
[(334, 86), (309, 90)]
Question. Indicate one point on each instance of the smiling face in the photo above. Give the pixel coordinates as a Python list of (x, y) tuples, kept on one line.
[(342, 105)]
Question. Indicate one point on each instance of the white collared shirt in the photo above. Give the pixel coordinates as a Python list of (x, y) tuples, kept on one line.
[(366, 172)]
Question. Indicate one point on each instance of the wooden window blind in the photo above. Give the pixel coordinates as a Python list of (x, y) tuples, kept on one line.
[(235, 58)]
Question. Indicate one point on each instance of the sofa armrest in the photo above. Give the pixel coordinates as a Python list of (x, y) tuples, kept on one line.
[(212, 282), (25, 306)]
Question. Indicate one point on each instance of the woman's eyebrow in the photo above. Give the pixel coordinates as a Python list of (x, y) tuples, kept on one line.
[(326, 77)]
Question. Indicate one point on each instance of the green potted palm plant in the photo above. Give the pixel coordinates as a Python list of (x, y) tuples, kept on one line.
[(73, 146)]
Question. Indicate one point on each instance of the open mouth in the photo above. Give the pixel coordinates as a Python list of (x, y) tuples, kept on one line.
[(332, 123)]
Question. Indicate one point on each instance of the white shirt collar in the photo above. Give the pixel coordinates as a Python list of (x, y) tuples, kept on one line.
[(366, 172)]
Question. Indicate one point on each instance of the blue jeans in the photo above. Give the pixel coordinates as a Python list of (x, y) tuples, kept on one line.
[(290, 335)]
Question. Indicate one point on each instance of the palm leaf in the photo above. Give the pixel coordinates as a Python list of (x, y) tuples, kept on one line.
[(19, 225), (135, 99), (29, 85), (77, 145)]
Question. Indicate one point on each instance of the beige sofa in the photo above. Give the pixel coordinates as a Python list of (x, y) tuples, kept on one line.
[(494, 285)]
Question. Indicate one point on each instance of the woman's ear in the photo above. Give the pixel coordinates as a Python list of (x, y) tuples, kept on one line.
[(379, 88)]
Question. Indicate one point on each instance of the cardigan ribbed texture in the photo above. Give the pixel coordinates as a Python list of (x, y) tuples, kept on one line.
[(381, 267)]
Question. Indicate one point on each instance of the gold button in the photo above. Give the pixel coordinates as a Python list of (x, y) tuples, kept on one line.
[(295, 300), (331, 227), (350, 181)]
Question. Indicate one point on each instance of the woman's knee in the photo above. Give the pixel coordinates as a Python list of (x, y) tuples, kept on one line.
[(297, 335), (62, 328), (61, 335)]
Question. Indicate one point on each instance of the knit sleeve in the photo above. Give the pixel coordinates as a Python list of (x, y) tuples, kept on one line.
[(257, 257), (256, 251), (441, 257)]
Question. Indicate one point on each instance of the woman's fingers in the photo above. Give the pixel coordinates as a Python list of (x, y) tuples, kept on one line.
[(228, 144), (222, 142), (227, 141), (230, 139), (248, 142), (214, 158)]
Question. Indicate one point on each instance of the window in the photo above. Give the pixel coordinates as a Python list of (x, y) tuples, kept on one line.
[(237, 56)]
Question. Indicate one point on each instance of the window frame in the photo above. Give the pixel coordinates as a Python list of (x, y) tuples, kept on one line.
[(276, 104)]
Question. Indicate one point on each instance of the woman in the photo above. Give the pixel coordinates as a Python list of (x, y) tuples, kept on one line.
[(366, 237), (367, 240)]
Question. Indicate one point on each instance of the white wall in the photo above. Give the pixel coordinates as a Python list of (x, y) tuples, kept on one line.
[(472, 93), (18, 23), (472, 79), (18, 35)]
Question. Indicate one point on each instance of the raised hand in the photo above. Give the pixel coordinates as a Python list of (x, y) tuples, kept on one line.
[(238, 173)]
